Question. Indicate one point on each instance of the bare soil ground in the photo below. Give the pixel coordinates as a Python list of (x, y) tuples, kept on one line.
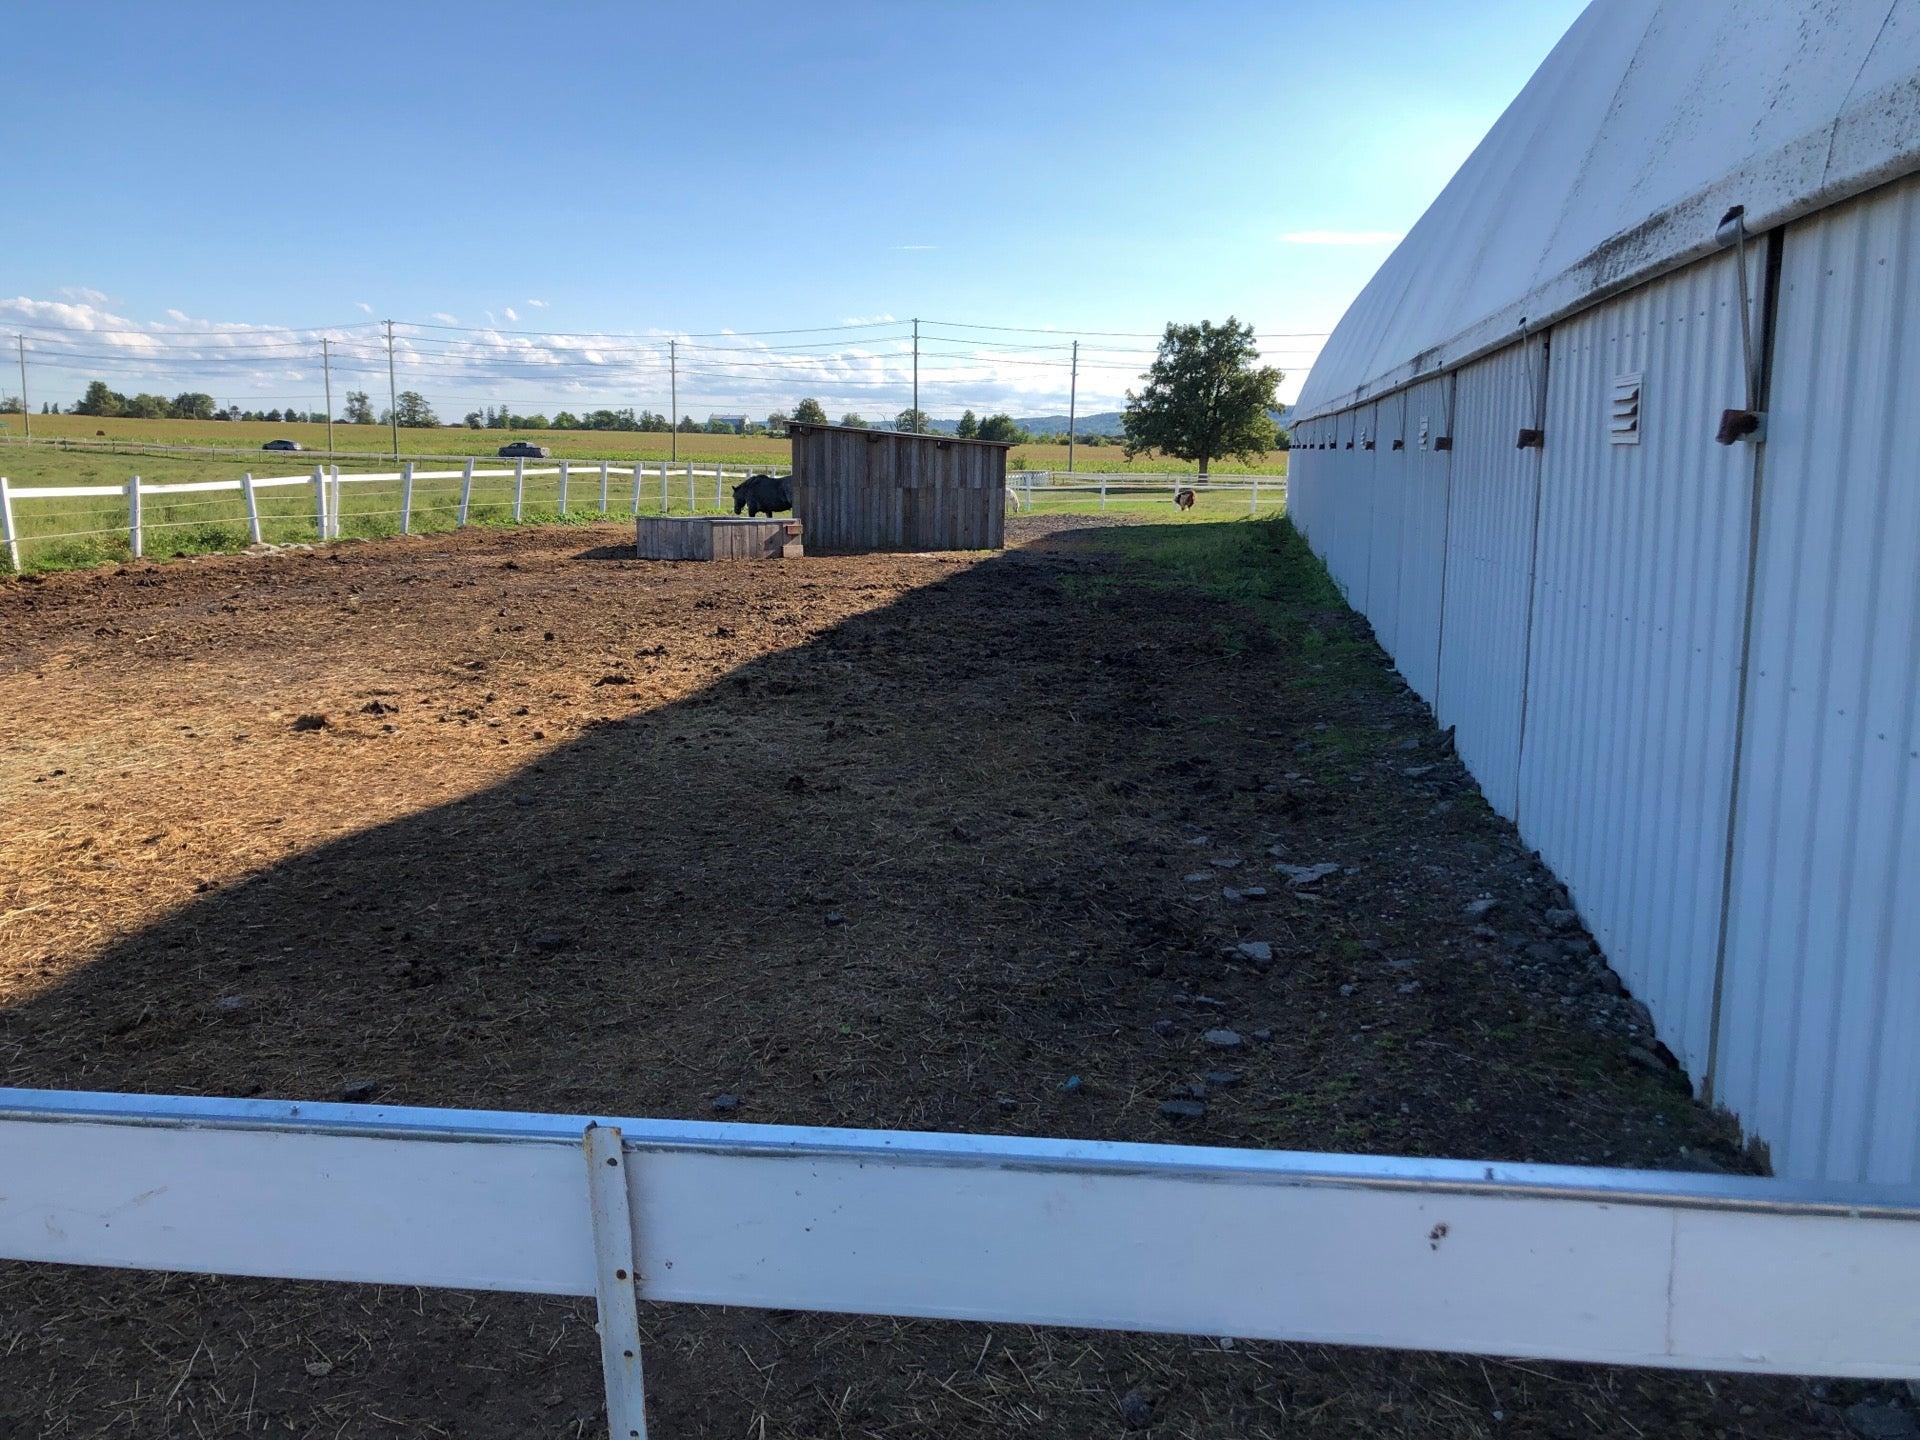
[(885, 841)]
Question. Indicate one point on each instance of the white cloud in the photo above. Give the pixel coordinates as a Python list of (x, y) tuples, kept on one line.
[(85, 295), (916, 247), (510, 313), (881, 319), (364, 307), (1341, 237), (538, 304), (444, 318)]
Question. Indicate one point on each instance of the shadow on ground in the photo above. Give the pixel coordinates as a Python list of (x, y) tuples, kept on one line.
[(918, 871)]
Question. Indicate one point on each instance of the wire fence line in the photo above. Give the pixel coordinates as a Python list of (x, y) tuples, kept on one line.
[(94, 522)]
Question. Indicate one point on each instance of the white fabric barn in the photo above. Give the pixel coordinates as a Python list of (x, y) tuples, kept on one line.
[(1689, 671)]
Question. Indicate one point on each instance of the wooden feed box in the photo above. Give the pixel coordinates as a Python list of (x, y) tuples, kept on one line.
[(714, 537), (862, 490)]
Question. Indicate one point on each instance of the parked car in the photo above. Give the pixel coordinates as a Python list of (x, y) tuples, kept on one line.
[(283, 445), (524, 450)]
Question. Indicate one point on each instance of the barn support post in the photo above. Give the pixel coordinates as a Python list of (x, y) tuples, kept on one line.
[(466, 492), (7, 532), (406, 498), (519, 488), (616, 1283), (603, 487), (134, 540), (563, 488), (253, 506), (319, 503)]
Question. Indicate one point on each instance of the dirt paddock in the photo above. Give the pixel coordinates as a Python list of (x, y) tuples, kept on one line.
[(508, 820)]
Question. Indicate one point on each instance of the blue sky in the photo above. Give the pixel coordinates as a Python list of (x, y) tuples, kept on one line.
[(624, 173)]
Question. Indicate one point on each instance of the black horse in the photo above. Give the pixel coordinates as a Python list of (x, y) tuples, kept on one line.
[(770, 493)]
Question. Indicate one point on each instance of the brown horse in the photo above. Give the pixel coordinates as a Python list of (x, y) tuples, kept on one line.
[(1184, 498)]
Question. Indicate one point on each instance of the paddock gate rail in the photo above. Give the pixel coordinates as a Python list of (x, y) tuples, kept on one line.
[(1679, 1270)]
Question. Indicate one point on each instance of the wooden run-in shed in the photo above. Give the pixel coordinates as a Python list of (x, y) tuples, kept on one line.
[(858, 490)]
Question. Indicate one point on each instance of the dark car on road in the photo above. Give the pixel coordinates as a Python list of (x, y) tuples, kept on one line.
[(523, 450), (283, 445)]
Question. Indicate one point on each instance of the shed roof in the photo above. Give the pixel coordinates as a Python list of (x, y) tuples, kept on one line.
[(800, 427), (1647, 123)]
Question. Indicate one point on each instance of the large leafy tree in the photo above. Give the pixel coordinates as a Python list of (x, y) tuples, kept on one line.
[(414, 411), (969, 426), (853, 421), (1001, 427), (359, 408), (809, 412), (912, 422), (1206, 396), (99, 400)]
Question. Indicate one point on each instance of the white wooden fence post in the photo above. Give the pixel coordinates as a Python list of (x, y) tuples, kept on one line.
[(663, 487), (253, 506), (519, 488), (603, 487), (1253, 505), (719, 486), (7, 532), (1103, 492), (134, 538), (563, 487), (616, 1282), (693, 501), (639, 470), (333, 507), (1029, 492), (466, 492), (319, 504), (406, 498)]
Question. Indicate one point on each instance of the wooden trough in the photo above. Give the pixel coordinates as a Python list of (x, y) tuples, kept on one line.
[(715, 537)]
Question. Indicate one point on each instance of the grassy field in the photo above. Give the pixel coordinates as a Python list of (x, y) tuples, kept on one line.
[(68, 533), (245, 436)]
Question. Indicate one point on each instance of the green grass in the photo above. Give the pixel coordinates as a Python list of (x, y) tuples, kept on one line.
[(64, 534), (244, 438)]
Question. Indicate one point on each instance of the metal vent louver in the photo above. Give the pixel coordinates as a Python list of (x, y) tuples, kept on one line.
[(1623, 415)]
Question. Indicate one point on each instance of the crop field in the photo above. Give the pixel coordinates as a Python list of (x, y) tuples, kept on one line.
[(246, 435), (67, 533), (509, 819)]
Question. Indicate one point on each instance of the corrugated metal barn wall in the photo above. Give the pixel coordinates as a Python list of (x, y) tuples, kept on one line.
[(1639, 596), (1597, 603), (1489, 565), (1820, 1018)]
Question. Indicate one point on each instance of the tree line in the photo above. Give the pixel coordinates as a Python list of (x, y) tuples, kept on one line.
[(1206, 397)]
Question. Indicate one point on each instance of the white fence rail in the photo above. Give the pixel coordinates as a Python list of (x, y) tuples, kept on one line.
[(641, 483), (1546, 1262), (670, 481)]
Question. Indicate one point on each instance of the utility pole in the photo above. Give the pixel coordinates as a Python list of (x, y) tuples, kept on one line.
[(916, 375), (1073, 401), (393, 401), (326, 370), (26, 410), (673, 401)]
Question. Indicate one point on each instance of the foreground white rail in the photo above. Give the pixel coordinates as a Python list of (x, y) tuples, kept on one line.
[(1549, 1262)]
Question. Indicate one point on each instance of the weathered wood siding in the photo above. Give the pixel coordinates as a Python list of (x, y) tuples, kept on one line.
[(711, 537), (865, 490)]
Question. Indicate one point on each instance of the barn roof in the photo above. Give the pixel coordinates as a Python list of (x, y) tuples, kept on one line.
[(1647, 123)]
